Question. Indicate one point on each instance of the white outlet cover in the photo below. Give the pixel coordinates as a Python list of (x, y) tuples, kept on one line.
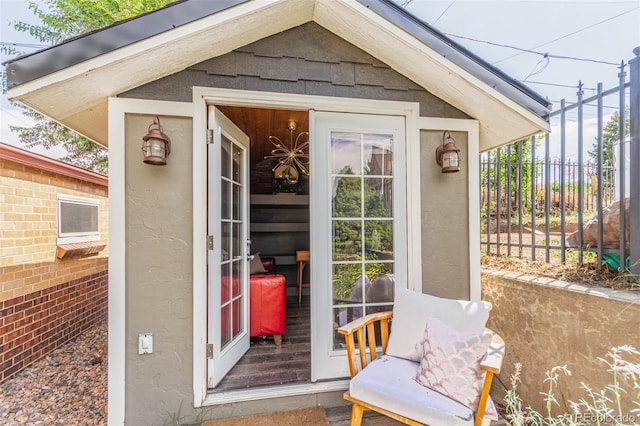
[(145, 343)]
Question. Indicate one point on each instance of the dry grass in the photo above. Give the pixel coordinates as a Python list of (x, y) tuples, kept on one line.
[(571, 271)]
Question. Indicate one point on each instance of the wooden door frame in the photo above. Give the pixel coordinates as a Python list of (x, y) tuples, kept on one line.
[(201, 98)]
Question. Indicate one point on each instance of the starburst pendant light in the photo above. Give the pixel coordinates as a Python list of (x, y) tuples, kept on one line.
[(291, 159)]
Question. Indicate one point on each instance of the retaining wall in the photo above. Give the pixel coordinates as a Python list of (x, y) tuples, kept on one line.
[(547, 323)]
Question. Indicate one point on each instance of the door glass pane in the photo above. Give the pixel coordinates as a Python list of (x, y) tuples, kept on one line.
[(237, 242), (378, 201), (225, 199), (362, 225), (349, 283), (378, 155), (380, 292), (379, 238), (347, 240), (237, 206), (226, 281), (225, 325), (236, 163), (347, 196), (225, 243), (232, 242), (237, 316), (346, 153), (225, 158)]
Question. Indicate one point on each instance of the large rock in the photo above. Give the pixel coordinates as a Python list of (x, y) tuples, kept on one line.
[(610, 229)]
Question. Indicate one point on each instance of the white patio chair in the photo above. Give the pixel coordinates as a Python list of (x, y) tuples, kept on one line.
[(387, 383)]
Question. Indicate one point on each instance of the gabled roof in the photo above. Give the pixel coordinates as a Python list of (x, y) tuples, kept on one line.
[(72, 81)]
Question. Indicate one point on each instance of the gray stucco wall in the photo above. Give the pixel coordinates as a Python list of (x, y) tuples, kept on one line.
[(159, 274), (445, 220)]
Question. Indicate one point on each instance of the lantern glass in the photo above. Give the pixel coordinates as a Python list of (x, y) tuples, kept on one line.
[(154, 151), (450, 159)]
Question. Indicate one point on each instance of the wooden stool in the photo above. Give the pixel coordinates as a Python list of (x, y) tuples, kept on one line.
[(302, 257)]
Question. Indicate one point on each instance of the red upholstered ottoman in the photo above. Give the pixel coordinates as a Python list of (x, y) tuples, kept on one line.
[(268, 306)]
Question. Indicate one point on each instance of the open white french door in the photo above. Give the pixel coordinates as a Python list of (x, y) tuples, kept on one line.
[(227, 258), (359, 223)]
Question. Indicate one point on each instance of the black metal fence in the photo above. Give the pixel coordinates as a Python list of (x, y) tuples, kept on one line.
[(536, 201)]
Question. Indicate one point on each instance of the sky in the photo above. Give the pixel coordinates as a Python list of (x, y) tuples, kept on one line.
[(583, 41)]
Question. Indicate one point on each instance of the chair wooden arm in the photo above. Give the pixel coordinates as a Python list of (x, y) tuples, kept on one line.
[(356, 329), (492, 361), (491, 364)]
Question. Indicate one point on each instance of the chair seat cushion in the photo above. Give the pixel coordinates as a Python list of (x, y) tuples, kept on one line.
[(388, 383)]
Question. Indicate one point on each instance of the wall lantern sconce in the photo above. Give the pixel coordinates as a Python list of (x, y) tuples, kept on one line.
[(447, 154), (157, 145)]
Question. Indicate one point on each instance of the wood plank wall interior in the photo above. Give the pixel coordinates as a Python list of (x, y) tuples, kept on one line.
[(260, 123)]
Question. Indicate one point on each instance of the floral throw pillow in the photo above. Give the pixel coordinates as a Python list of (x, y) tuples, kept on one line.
[(450, 364)]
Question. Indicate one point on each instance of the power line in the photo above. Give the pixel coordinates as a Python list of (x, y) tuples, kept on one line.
[(567, 86), (572, 33), (26, 45), (534, 71), (543, 54), (443, 12)]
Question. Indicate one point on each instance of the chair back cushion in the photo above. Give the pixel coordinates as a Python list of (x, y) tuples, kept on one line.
[(411, 310), (389, 383)]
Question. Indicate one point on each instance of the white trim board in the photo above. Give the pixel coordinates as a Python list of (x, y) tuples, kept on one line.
[(118, 109), (472, 127), (269, 392)]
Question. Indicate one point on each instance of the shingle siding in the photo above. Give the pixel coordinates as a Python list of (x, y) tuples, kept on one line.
[(304, 60)]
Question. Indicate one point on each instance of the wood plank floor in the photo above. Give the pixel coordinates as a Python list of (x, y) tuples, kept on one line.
[(264, 364)]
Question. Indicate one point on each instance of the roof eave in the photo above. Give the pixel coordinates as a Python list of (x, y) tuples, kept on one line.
[(513, 112), (91, 82), (74, 51)]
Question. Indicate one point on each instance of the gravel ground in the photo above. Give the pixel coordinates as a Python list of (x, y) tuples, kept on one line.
[(67, 387)]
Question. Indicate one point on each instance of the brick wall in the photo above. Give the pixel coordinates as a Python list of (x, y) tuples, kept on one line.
[(44, 301), (35, 324)]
